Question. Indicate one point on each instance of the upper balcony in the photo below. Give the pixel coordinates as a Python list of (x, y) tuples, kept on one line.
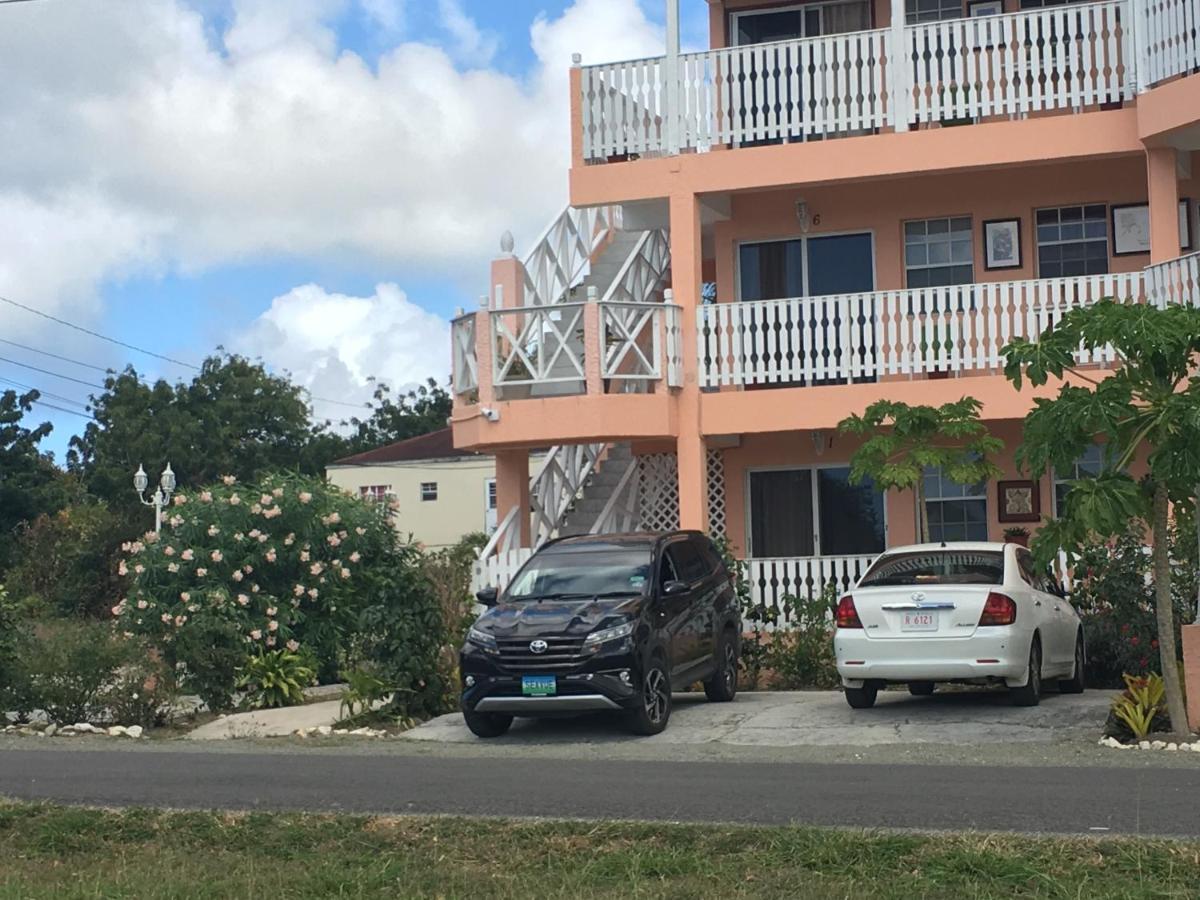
[(1056, 60)]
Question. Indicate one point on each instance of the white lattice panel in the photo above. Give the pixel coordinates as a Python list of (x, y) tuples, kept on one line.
[(716, 493), (658, 492)]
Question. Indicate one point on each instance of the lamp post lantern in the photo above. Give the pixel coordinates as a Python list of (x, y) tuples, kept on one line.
[(162, 494)]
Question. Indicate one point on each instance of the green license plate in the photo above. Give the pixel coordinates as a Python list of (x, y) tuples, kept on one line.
[(539, 685)]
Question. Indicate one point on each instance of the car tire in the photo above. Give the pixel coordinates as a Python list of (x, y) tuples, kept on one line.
[(921, 688), (487, 725), (722, 687), (653, 708), (1074, 684), (863, 697), (1030, 693)]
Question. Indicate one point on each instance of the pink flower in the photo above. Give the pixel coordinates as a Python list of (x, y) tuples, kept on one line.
[(166, 617), (247, 568), (122, 569), (255, 533), (289, 540), (360, 531), (254, 588), (355, 556), (180, 499), (266, 499), (216, 556), (239, 537), (213, 530), (345, 573), (270, 642), (139, 569), (142, 604), (185, 596), (305, 497), (312, 592), (256, 509), (278, 492), (270, 555), (272, 625), (173, 567), (262, 538), (119, 608), (273, 513), (179, 620), (332, 519), (271, 611), (234, 499), (206, 496), (316, 568), (293, 645), (304, 556), (150, 537), (298, 590), (192, 608), (333, 540), (243, 600), (136, 547), (168, 550), (187, 555), (256, 634), (175, 521), (201, 572), (229, 479), (237, 575)]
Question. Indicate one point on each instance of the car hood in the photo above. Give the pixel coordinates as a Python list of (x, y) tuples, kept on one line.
[(558, 618)]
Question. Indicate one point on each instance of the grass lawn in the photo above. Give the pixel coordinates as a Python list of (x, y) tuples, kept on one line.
[(59, 852)]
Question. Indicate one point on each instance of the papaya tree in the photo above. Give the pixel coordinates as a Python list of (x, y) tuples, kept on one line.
[(1147, 408), (903, 441)]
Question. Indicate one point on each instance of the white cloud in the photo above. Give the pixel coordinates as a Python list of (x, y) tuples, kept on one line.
[(471, 46), (332, 343), (135, 140)]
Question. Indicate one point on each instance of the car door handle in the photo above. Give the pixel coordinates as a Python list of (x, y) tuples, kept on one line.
[(1037, 602), (1058, 609)]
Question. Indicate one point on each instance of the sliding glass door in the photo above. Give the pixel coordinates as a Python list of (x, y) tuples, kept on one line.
[(813, 512)]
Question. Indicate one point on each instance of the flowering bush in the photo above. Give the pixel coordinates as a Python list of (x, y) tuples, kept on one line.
[(1114, 594), (287, 563)]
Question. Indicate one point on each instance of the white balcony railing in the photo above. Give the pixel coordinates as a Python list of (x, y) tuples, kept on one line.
[(1176, 281), (1067, 58), (857, 337)]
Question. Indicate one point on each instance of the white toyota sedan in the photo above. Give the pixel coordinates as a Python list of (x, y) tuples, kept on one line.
[(960, 612)]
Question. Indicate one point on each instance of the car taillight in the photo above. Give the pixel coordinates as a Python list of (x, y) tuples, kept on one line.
[(998, 609), (847, 615)]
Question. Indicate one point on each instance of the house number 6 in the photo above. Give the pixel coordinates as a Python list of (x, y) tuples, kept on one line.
[(816, 220)]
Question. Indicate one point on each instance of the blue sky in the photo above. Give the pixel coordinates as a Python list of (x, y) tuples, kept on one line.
[(317, 182)]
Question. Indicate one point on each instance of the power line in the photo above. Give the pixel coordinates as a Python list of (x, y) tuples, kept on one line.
[(61, 408), (2, 2), (96, 334), (53, 374), (42, 392), (77, 362)]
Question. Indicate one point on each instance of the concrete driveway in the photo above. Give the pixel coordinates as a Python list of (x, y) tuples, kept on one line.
[(820, 719)]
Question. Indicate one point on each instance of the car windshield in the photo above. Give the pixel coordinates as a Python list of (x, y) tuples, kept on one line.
[(937, 567), (582, 574)]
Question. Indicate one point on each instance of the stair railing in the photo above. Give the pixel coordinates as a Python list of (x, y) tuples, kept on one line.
[(559, 258), (620, 513)]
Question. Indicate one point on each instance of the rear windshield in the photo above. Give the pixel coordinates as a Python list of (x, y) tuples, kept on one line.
[(586, 574), (937, 567)]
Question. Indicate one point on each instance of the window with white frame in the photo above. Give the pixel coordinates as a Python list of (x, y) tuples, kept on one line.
[(957, 512), (1072, 240), (918, 11), (376, 492), (937, 252), (429, 491), (1087, 466)]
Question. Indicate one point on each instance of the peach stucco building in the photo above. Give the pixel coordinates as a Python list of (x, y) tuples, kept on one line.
[(839, 201)]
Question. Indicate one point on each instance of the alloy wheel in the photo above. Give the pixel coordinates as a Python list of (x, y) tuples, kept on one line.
[(655, 695), (730, 668)]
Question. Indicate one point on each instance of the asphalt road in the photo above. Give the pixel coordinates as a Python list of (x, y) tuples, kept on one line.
[(1030, 799)]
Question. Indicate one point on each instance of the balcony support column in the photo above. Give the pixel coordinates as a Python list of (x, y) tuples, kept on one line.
[(1163, 182), (593, 347), (512, 490), (687, 285), (898, 67), (484, 349)]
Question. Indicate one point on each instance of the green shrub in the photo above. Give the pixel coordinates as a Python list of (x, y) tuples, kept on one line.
[(1114, 594), (275, 678), (801, 656), (78, 671), (1139, 710), (11, 630), (207, 659), (364, 689), (65, 562), (755, 618)]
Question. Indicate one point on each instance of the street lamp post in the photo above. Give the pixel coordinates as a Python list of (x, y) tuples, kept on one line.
[(161, 495)]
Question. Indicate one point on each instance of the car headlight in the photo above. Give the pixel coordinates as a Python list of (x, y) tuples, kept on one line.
[(596, 638), (482, 640)]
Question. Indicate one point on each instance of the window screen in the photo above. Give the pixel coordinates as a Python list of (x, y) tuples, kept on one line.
[(937, 252), (1072, 240), (957, 512)]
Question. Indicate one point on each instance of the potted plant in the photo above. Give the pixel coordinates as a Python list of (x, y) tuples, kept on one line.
[(1016, 535)]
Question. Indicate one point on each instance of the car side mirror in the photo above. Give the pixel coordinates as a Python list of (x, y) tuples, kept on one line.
[(488, 596), (674, 588)]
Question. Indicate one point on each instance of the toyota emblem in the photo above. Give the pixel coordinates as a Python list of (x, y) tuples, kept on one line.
[(538, 646)]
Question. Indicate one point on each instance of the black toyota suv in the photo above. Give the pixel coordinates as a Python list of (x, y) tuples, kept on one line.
[(602, 622)]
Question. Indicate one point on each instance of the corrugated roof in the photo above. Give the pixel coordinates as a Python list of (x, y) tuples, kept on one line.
[(435, 445)]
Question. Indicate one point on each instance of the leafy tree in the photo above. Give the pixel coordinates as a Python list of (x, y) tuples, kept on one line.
[(1149, 407), (232, 418), (30, 483), (423, 409), (903, 441)]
